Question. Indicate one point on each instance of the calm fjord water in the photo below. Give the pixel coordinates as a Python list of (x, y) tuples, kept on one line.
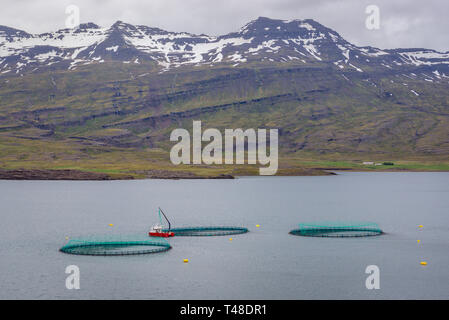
[(266, 263)]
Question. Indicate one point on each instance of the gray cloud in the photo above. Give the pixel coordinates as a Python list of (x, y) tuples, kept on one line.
[(404, 23)]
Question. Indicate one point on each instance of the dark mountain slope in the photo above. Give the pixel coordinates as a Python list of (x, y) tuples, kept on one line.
[(128, 86)]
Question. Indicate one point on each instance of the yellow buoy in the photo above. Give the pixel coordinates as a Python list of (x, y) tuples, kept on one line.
[(418, 241), (111, 225), (420, 226), (186, 260), (423, 263), (257, 225), (230, 239)]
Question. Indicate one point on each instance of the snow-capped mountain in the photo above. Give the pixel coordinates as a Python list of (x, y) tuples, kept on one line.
[(263, 40)]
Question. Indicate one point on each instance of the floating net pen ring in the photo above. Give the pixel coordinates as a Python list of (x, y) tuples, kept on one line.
[(207, 231), (337, 230), (111, 247)]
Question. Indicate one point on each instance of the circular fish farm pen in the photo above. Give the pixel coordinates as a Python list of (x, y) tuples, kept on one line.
[(207, 231), (337, 230), (115, 245)]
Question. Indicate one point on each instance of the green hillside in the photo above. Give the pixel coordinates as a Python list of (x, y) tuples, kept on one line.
[(115, 117)]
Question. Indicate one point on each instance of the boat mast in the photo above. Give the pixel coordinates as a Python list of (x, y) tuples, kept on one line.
[(169, 224)]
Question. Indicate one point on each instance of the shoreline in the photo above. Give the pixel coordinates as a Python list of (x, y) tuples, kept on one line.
[(63, 174), (79, 175)]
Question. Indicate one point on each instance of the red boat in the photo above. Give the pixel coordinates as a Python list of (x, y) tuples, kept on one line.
[(157, 231), (161, 234)]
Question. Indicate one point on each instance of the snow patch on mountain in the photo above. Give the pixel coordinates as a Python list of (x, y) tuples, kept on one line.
[(261, 40), (424, 57)]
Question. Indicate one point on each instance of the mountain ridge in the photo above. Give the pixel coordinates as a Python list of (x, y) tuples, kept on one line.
[(96, 97), (262, 40)]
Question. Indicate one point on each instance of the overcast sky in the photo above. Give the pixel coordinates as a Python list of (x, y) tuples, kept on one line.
[(403, 23)]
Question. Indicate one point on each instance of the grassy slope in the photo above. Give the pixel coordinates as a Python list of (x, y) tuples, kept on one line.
[(107, 117)]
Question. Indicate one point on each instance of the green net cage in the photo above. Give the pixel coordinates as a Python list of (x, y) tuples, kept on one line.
[(207, 231), (337, 229), (115, 245)]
